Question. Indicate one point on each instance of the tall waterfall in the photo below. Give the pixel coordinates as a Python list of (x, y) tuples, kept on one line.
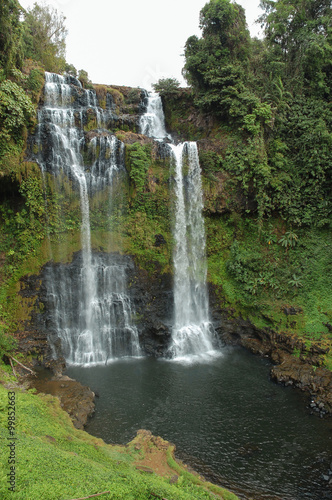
[(193, 334), (92, 310)]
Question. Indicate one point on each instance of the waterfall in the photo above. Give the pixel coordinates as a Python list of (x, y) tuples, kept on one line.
[(193, 335), (91, 308), (152, 122), (107, 331)]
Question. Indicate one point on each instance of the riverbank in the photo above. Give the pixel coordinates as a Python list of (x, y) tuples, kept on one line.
[(52, 460)]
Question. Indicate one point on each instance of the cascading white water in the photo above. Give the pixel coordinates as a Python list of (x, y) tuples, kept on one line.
[(152, 122), (92, 311), (193, 334), (108, 332)]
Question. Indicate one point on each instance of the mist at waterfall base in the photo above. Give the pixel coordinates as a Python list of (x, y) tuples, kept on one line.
[(227, 419)]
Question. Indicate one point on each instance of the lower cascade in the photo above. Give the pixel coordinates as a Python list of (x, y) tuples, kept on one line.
[(94, 327)]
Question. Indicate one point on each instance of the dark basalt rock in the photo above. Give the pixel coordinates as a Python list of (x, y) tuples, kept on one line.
[(152, 296), (159, 240)]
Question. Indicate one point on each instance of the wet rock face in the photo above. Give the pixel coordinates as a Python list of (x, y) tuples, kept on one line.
[(316, 381), (150, 295), (31, 334), (77, 400)]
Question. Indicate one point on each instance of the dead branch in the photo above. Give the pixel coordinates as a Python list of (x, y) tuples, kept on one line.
[(25, 367), (11, 364)]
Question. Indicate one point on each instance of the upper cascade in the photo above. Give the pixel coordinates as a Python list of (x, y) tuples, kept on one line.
[(62, 120), (152, 122)]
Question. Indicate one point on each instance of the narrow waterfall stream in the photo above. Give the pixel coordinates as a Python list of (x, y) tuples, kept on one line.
[(92, 313), (193, 335), (152, 122)]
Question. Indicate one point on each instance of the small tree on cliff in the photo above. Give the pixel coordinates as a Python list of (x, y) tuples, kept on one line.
[(166, 86), (45, 37)]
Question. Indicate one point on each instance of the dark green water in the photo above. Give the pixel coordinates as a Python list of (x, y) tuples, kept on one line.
[(227, 419)]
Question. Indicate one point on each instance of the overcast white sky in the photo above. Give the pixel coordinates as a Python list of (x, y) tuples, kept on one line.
[(133, 43)]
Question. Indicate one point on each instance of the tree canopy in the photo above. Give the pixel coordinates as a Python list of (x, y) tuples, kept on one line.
[(11, 30), (276, 94), (45, 37), (299, 34)]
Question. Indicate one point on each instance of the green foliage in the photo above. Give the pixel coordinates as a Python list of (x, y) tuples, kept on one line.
[(216, 63), (299, 35), (7, 342), (81, 464), (16, 114), (35, 82), (210, 161), (44, 36), (16, 110), (84, 79), (289, 239), (134, 96), (11, 50), (256, 276), (300, 158), (139, 160), (71, 70), (167, 86), (274, 97), (295, 281)]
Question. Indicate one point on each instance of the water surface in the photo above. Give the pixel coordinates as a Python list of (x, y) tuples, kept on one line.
[(227, 419)]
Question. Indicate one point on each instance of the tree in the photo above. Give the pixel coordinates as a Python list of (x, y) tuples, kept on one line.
[(45, 35), (167, 86), (84, 79), (218, 67), (299, 34), (225, 41), (11, 51)]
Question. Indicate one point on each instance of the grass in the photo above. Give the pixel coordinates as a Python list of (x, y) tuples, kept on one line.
[(54, 461)]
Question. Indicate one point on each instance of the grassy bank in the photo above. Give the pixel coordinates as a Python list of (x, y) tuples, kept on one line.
[(54, 461)]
